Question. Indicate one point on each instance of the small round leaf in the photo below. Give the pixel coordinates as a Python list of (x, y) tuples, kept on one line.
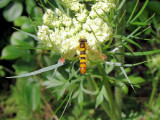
[(20, 20), (11, 52), (13, 11), (3, 3)]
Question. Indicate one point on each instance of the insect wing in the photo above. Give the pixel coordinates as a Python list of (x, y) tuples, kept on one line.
[(95, 56)]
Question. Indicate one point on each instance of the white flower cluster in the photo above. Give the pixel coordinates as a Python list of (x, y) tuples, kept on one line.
[(62, 33)]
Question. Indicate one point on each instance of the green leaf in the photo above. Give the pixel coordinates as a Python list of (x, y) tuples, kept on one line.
[(80, 96), (139, 23), (154, 6), (30, 4), (29, 34), (39, 71), (3, 3), (127, 39), (20, 20), (131, 41), (53, 82), (37, 12), (136, 53), (21, 66), (125, 74), (133, 11), (28, 27), (31, 93), (20, 39), (140, 12), (136, 80), (2, 73), (59, 6), (99, 98), (123, 65), (125, 89), (13, 11), (10, 52), (35, 96), (125, 45)]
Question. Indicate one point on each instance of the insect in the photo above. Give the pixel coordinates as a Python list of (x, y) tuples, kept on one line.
[(84, 50)]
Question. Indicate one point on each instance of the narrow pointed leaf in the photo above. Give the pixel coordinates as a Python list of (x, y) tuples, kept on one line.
[(99, 98), (125, 65), (59, 6), (139, 23), (140, 12), (125, 74), (127, 39), (39, 71), (136, 53), (125, 45), (29, 34), (130, 17)]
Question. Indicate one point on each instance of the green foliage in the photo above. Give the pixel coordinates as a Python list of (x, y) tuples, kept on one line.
[(10, 52), (13, 11), (93, 90)]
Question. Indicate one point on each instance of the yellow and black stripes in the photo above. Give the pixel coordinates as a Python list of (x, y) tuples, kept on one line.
[(82, 47)]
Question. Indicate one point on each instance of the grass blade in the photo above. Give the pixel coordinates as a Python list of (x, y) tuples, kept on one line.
[(136, 53), (59, 6), (125, 65), (130, 17), (127, 39), (140, 12), (139, 23), (125, 45), (29, 34)]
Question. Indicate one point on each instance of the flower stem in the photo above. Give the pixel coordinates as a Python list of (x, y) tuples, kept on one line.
[(109, 93), (118, 90), (154, 84), (94, 86)]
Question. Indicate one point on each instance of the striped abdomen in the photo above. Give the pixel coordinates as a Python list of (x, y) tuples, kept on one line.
[(82, 57)]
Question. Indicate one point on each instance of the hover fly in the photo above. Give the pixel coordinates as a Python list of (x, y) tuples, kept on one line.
[(85, 53)]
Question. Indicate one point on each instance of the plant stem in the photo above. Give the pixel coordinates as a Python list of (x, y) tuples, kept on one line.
[(118, 91), (109, 94), (94, 86), (155, 83)]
